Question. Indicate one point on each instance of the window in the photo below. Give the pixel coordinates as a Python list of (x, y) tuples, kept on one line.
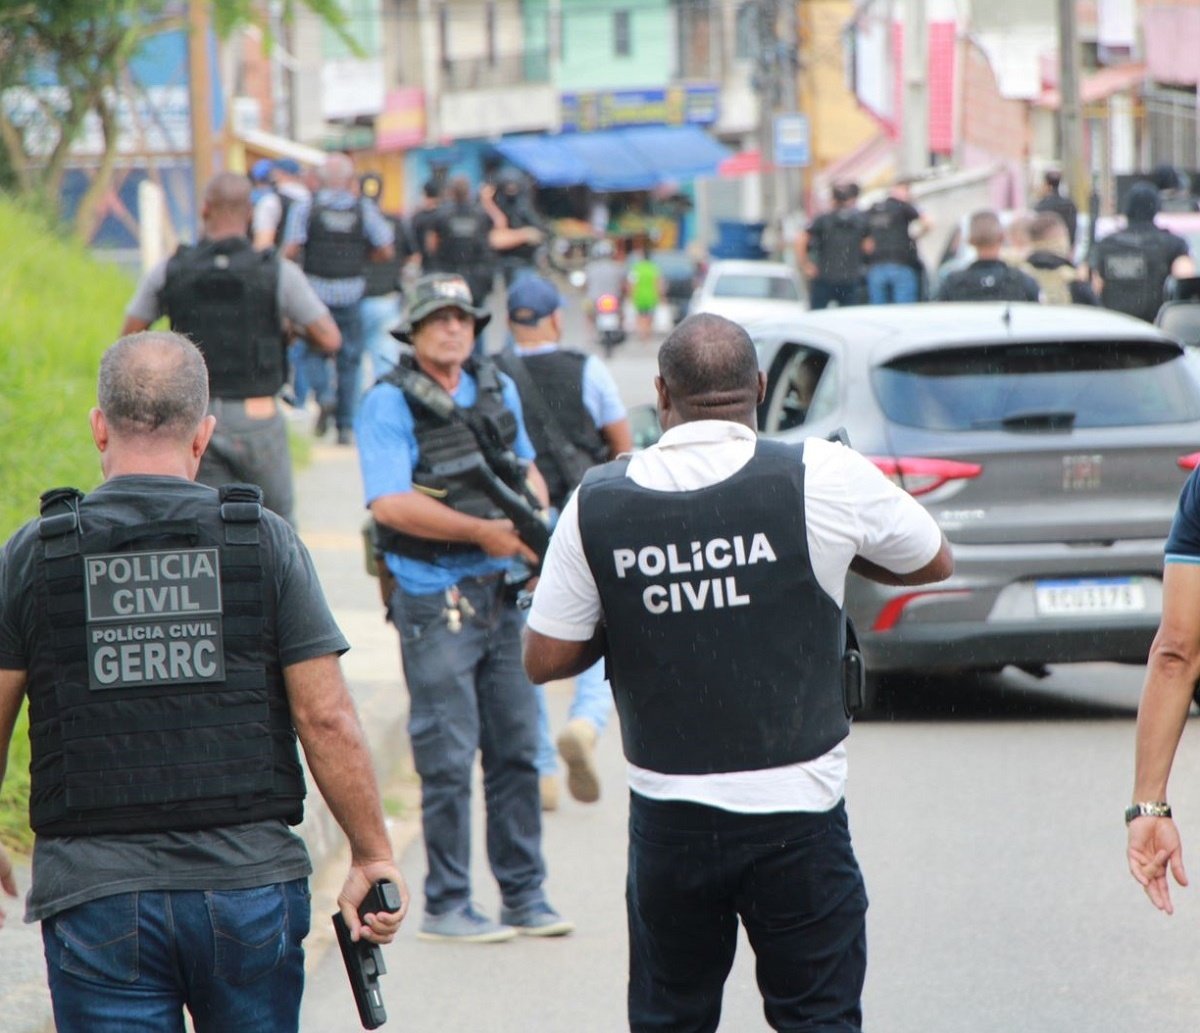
[(753, 285), (801, 388), (622, 42), (1038, 387)]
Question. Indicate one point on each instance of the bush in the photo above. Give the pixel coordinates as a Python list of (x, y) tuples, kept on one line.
[(59, 310)]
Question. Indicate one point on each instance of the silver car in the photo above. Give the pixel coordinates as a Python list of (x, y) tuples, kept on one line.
[(1050, 444)]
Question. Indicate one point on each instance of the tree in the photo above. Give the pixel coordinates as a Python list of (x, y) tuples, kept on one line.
[(63, 62)]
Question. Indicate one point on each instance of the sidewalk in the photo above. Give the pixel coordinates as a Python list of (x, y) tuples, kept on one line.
[(330, 513)]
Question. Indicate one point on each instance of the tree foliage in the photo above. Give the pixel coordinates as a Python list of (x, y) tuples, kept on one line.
[(63, 63)]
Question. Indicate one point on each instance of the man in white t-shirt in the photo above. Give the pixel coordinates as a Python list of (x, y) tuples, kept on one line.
[(710, 571)]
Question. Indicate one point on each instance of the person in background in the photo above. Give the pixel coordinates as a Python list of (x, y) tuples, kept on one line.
[(338, 232), (517, 252), (646, 289), (168, 878), (893, 264), (260, 179), (576, 420), (830, 252), (1053, 200), (1130, 267), (423, 225), (1049, 263), (271, 210), (988, 278), (381, 297)]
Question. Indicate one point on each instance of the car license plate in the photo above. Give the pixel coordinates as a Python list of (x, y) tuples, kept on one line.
[(1089, 597)]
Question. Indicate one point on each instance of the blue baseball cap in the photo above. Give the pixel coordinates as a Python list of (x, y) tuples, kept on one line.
[(531, 299), (288, 165), (260, 171)]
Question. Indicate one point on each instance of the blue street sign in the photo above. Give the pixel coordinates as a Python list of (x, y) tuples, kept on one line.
[(792, 148)]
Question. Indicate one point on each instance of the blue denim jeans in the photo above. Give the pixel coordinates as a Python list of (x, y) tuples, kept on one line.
[(380, 315), (131, 963), (793, 880), (892, 283), (347, 363), (592, 700), (468, 693)]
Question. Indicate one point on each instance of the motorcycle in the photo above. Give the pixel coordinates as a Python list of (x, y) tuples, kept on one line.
[(609, 322)]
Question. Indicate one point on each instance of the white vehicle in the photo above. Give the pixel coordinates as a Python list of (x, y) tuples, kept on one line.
[(748, 291)]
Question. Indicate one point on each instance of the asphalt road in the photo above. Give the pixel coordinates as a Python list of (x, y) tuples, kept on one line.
[(986, 814)]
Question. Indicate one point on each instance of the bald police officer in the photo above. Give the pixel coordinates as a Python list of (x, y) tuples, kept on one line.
[(174, 643), (710, 570)]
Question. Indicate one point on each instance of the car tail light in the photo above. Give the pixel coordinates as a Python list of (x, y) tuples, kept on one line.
[(920, 476), (606, 303), (889, 616), (1189, 461)]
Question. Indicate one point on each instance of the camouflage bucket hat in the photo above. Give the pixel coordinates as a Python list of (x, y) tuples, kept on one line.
[(438, 291)]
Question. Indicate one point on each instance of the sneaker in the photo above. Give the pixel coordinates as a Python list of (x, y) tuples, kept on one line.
[(324, 415), (538, 919), (345, 436), (548, 789), (466, 925), (577, 746)]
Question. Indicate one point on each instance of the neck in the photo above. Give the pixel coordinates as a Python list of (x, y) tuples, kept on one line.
[(165, 462), (445, 376)]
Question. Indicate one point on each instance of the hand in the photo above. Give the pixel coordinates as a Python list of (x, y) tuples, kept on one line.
[(8, 881), (498, 538), (810, 270), (380, 927), (1155, 846)]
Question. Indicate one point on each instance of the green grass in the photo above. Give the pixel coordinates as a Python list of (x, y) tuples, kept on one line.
[(59, 310)]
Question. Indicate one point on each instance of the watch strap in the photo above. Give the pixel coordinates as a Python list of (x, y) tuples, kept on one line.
[(1148, 809)]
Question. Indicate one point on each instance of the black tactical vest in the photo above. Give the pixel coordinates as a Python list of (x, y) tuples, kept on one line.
[(384, 277), (439, 443), (337, 244), (1134, 266), (723, 649), (224, 295), (558, 377), (154, 704)]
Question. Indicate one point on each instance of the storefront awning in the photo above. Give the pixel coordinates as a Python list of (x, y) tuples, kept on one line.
[(636, 158)]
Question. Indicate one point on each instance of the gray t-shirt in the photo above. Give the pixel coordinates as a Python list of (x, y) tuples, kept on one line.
[(296, 298), (72, 870)]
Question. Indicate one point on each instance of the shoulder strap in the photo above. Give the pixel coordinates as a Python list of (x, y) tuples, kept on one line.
[(571, 462)]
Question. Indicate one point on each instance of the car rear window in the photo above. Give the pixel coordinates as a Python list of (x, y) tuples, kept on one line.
[(747, 285), (1032, 387)]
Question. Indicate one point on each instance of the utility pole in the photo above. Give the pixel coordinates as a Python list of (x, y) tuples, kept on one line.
[(1070, 121), (915, 145), (766, 82), (200, 99)]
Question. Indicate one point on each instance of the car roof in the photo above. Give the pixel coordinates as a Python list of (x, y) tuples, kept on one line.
[(751, 265), (890, 330)]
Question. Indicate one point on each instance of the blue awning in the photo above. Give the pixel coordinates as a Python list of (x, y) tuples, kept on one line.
[(636, 158)]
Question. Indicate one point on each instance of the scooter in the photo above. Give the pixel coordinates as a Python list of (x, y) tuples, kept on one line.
[(609, 322)]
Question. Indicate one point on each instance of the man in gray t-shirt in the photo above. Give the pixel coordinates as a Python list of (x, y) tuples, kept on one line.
[(235, 304), (174, 644)]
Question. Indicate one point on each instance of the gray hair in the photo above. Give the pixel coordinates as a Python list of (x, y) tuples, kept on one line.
[(337, 173), (154, 382)]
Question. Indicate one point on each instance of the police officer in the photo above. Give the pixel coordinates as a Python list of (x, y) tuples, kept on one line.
[(174, 643), (576, 420), (423, 224), (339, 233), (1130, 267), (235, 302), (449, 546), (893, 264), (518, 253), (460, 240), (1053, 200), (271, 209), (988, 278), (710, 568), (830, 253), (1050, 264)]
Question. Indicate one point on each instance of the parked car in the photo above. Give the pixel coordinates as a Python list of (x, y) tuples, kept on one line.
[(1049, 445), (749, 290)]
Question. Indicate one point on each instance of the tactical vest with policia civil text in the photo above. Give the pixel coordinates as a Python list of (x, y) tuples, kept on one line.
[(440, 442), (225, 296), (154, 704), (337, 246), (557, 377), (724, 652)]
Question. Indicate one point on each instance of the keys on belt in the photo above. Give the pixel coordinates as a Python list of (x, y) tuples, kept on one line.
[(458, 606)]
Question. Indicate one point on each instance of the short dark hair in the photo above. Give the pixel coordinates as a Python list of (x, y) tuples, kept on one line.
[(710, 368), (154, 382), (432, 189), (1053, 178)]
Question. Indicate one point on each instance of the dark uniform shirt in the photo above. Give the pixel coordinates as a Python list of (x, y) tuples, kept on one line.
[(1134, 265)]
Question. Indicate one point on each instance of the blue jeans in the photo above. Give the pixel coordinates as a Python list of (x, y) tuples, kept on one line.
[(468, 693), (131, 963), (892, 282), (821, 293), (296, 353), (379, 315), (348, 365), (793, 881), (592, 700)]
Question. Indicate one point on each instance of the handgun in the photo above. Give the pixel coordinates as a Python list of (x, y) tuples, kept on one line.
[(364, 960)]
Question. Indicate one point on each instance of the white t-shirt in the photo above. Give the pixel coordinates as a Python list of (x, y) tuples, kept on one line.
[(851, 509)]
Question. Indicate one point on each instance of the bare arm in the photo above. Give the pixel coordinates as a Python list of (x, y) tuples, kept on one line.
[(12, 692), (291, 251), (937, 569), (618, 437), (805, 264), (382, 254), (547, 659), (1182, 267), (336, 750), (264, 238), (1171, 674), (133, 325), (323, 332), (425, 517)]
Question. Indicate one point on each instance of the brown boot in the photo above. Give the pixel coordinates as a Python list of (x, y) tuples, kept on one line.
[(577, 746)]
